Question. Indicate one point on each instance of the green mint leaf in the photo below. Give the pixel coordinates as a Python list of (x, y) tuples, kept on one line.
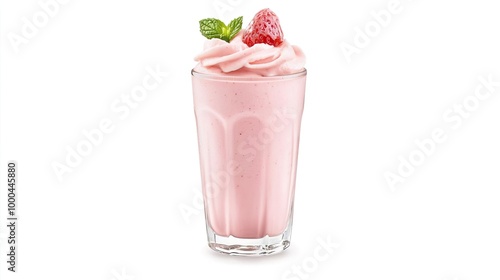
[(214, 28), (234, 27)]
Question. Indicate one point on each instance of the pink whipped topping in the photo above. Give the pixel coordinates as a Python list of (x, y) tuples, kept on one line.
[(236, 58)]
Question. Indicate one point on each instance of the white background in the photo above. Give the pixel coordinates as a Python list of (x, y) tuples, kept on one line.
[(117, 214)]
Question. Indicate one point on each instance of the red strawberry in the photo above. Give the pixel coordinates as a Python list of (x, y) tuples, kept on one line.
[(264, 28)]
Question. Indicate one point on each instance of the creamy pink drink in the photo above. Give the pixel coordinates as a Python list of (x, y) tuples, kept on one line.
[(248, 103)]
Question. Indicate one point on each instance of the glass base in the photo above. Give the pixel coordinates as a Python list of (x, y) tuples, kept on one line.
[(266, 245)]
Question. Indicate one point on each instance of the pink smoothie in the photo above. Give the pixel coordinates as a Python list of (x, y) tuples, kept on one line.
[(248, 130), (248, 103)]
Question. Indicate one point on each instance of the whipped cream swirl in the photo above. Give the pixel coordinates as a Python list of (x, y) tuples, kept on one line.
[(236, 58)]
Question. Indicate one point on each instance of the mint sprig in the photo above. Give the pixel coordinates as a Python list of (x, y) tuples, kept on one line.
[(214, 28)]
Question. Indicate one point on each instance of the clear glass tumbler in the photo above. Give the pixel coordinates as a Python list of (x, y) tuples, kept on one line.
[(248, 138)]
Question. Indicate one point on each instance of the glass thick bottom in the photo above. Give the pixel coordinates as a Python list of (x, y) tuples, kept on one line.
[(267, 245)]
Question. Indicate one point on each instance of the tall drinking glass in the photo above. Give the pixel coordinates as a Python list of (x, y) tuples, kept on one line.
[(248, 138)]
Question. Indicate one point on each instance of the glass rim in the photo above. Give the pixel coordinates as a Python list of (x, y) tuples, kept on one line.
[(195, 73)]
